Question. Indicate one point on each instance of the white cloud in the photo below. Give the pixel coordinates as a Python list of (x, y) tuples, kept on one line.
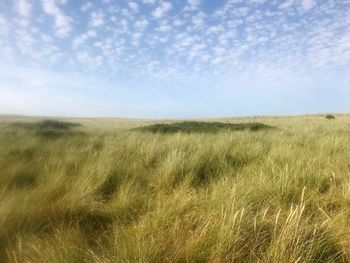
[(62, 22), (141, 24), (24, 8), (4, 26), (134, 6), (193, 4), (25, 41), (164, 26), (162, 9), (184, 39), (89, 60), (80, 40), (287, 4), (86, 6), (198, 19), (149, 1), (308, 4), (178, 22), (241, 11), (97, 18), (257, 1)]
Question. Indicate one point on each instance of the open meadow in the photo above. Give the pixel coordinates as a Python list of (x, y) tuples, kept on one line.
[(99, 190)]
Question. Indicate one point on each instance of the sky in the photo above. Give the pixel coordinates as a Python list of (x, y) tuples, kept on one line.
[(174, 59)]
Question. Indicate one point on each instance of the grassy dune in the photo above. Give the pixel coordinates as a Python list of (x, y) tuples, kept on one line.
[(106, 192)]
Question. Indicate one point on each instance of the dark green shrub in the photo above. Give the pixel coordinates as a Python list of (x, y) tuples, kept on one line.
[(329, 117), (201, 127), (47, 125), (56, 125), (49, 128)]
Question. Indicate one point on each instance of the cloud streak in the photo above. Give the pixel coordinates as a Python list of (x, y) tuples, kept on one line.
[(62, 21)]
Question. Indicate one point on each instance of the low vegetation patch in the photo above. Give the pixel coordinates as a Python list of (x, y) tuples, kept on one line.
[(330, 117), (202, 127), (49, 128), (47, 125)]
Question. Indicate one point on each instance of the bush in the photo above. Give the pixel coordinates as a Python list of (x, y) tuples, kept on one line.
[(330, 117), (47, 124), (57, 125), (201, 127), (49, 128)]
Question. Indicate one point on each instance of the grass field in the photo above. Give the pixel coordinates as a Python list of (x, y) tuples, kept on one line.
[(103, 191)]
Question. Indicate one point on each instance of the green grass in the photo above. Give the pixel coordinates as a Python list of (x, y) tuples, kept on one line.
[(107, 191)]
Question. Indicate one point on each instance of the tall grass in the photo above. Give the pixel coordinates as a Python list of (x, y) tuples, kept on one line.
[(105, 192)]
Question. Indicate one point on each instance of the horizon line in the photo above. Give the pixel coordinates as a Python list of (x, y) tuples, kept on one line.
[(5, 115)]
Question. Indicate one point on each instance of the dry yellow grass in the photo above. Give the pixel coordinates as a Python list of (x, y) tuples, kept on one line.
[(108, 194)]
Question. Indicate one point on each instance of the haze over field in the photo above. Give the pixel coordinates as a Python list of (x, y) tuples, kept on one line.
[(157, 58)]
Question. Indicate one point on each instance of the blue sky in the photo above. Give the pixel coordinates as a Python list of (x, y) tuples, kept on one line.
[(172, 59)]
